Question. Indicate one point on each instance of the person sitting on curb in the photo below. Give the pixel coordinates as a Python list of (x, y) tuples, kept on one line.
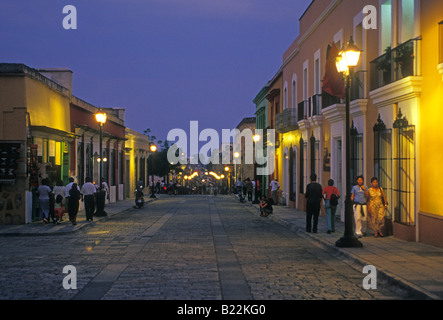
[(265, 207)]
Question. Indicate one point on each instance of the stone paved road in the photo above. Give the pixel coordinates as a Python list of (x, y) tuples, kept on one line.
[(193, 248)]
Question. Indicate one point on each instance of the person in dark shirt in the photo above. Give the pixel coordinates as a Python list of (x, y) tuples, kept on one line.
[(313, 200), (265, 207)]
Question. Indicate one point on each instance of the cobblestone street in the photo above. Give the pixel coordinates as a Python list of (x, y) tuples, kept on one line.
[(192, 248)]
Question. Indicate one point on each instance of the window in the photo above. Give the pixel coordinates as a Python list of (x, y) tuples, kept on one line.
[(404, 168), (407, 22), (292, 173), (305, 82), (120, 166), (112, 172), (294, 93), (285, 96), (356, 165), (440, 41), (80, 163), (89, 160), (386, 26), (383, 160), (302, 166), (317, 76)]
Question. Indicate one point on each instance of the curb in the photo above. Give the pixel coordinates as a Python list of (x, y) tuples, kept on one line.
[(400, 285), (70, 228)]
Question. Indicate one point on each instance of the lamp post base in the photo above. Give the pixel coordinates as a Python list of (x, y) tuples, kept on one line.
[(348, 240)]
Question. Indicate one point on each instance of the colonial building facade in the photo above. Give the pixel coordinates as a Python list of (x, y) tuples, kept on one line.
[(396, 89), (48, 133)]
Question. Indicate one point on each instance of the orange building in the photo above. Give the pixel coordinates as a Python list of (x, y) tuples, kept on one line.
[(394, 112)]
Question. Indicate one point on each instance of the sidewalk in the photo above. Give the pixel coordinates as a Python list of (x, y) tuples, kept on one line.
[(413, 268), (37, 228)]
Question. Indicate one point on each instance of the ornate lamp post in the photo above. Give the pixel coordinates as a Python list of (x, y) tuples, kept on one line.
[(236, 155), (101, 117), (228, 182), (346, 62), (153, 149), (255, 138)]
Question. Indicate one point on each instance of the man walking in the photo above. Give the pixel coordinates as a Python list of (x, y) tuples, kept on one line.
[(88, 191), (359, 197), (275, 186), (313, 200)]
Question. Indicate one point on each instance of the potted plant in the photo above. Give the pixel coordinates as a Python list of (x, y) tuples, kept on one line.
[(404, 58), (384, 65)]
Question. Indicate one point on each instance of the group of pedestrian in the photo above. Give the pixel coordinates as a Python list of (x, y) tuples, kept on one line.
[(367, 202), (245, 188), (369, 207), (55, 202)]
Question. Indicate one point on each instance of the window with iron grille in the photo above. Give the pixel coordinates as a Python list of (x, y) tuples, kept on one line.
[(302, 167), (404, 168), (292, 174), (356, 165), (383, 160), (80, 163), (89, 160)]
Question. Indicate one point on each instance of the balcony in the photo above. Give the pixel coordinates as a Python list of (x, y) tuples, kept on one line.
[(316, 105), (286, 121), (328, 100), (303, 109), (395, 64), (358, 86)]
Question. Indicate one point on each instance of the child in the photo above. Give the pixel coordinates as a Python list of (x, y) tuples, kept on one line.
[(58, 208)]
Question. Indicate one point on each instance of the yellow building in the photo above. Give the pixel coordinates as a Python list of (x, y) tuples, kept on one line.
[(136, 161), (34, 112), (430, 146)]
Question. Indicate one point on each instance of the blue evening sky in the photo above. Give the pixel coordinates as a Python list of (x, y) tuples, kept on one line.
[(166, 62)]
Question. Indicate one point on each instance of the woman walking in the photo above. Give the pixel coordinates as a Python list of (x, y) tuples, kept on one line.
[(331, 195), (376, 207), (74, 198), (44, 194)]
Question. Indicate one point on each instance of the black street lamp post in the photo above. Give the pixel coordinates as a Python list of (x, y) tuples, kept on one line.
[(153, 149), (346, 63), (101, 119)]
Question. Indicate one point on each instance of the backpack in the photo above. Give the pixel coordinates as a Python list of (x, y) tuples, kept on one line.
[(334, 199)]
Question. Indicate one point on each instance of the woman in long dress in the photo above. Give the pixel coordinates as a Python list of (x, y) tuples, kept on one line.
[(376, 208)]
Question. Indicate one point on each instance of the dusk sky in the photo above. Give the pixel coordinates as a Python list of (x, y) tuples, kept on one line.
[(167, 62)]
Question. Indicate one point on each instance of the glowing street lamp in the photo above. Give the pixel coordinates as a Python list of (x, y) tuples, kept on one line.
[(101, 117), (153, 149), (346, 62), (236, 155)]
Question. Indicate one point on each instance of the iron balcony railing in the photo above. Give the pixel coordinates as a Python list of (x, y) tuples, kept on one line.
[(286, 120), (358, 85), (395, 64), (303, 109), (328, 100), (316, 104)]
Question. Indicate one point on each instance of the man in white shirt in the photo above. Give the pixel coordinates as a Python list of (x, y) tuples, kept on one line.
[(88, 191), (275, 186)]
